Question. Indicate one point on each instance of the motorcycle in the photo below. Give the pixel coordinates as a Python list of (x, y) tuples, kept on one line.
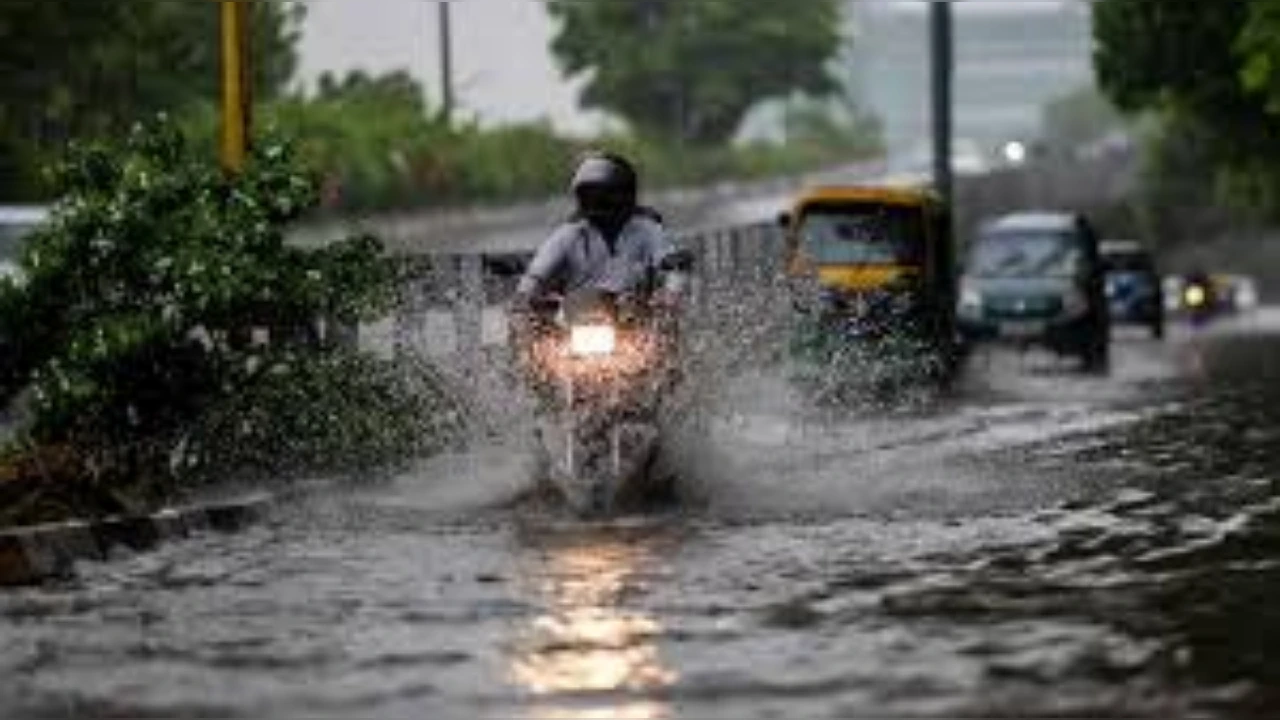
[(604, 366), (1199, 302)]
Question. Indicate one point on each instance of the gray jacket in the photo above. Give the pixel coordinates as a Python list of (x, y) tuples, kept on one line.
[(576, 256)]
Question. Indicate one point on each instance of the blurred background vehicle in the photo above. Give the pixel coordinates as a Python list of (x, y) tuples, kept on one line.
[(1133, 287), (1237, 293), (1247, 295), (1200, 296), (1037, 279), (873, 281)]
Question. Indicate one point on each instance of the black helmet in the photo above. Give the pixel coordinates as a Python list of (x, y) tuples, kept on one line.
[(605, 186)]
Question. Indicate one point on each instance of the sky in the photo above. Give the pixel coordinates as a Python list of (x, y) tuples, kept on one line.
[(503, 68)]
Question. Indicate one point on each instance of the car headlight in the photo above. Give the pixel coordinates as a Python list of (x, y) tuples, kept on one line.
[(592, 340), (1075, 304)]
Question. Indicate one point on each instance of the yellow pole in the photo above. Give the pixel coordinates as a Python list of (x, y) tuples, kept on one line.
[(236, 101)]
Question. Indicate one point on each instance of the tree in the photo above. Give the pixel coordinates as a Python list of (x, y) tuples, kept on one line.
[(365, 133), (1259, 44), (134, 316), (133, 337), (1212, 66), (828, 127), (1078, 117), (689, 70), (79, 70), (396, 89)]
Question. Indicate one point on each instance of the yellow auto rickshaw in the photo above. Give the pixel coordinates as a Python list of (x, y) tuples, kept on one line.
[(873, 278)]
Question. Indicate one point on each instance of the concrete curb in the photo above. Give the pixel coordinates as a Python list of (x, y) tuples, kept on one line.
[(29, 555)]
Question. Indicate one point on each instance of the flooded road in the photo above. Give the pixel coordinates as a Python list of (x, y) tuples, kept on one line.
[(1045, 543)]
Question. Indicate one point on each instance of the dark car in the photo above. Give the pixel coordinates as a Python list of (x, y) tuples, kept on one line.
[(1135, 292), (1037, 279)]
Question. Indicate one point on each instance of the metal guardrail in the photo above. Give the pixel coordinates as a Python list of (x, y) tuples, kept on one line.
[(446, 302)]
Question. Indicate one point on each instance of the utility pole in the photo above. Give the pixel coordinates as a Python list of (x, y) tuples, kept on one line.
[(445, 26), (237, 101), (942, 56)]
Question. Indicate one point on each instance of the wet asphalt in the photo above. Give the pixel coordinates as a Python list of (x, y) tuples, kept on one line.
[(1039, 543)]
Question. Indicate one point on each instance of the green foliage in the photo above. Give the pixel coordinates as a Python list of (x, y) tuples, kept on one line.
[(1177, 198), (1148, 54), (833, 127), (81, 70), (690, 70), (1259, 45), (397, 89), (510, 162), (379, 147), (141, 295), (1208, 65), (1079, 117), (370, 136)]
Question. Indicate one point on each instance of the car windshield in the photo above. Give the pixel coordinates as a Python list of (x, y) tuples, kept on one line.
[(863, 236), (1044, 254)]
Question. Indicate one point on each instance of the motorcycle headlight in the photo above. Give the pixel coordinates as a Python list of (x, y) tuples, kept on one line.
[(1194, 296), (592, 340)]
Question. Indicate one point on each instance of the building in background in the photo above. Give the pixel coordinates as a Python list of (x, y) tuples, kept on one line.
[(1012, 58)]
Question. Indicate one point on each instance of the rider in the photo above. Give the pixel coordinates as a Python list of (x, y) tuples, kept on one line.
[(1198, 277), (611, 243)]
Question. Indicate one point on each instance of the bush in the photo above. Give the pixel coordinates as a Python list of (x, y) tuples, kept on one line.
[(162, 301)]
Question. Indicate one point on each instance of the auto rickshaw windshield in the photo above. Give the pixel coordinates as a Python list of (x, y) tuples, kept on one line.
[(863, 236)]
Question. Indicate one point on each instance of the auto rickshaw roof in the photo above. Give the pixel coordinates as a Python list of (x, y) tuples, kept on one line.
[(865, 194)]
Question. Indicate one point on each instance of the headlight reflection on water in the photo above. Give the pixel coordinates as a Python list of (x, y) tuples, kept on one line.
[(597, 350), (588, 654)]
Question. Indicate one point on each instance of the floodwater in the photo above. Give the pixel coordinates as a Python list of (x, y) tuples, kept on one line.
[(1044, 543)]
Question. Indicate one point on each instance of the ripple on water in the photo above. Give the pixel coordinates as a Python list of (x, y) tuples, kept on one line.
[(1048, 555)]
